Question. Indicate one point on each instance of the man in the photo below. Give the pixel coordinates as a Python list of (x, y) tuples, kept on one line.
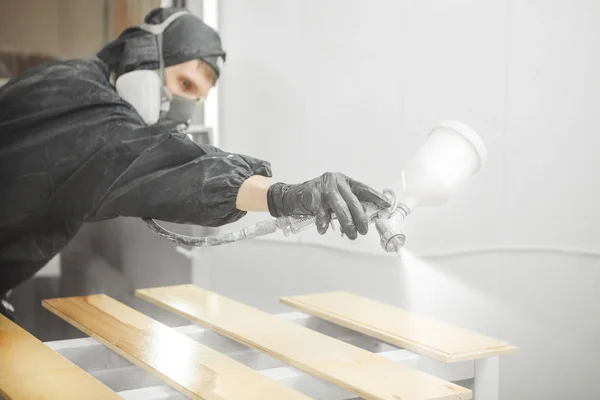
[(80, 141)]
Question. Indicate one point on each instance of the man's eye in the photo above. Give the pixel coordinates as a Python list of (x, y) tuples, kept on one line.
[(185, 84)]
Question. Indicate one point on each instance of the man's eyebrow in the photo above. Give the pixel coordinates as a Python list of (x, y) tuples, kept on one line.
[(195, 79), (204, 67)]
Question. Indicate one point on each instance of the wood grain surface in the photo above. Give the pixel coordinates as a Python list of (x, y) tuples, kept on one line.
[(31, 370), (351, 368), (184, 364), (420, 334)]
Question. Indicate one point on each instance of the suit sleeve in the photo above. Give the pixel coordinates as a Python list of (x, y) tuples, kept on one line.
[(169, 177), (72, 149)]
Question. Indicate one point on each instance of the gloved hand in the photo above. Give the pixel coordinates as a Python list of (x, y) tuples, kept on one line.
[(326, 194)]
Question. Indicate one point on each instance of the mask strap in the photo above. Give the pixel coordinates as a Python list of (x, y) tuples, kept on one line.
[(161, 60), (158, 30)]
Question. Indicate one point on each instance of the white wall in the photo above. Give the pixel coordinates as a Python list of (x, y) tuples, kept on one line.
[(354, 86)]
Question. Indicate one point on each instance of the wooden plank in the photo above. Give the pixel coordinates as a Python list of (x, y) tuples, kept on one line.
[(187, 366), (351, 368), (31, 370), (393, 325)]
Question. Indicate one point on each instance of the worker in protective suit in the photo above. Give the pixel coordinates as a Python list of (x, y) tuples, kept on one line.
[(88, 140)]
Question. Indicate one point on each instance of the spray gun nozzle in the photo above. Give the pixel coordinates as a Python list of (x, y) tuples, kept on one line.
[(387, 224), (391, 239)]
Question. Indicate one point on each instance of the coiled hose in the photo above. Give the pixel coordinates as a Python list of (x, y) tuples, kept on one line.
[(259, 229)]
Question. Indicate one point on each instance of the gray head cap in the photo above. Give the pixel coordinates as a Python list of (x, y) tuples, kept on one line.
[(186, 38)]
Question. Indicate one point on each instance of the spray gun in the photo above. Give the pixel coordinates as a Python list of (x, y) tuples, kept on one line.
[(452, 153)]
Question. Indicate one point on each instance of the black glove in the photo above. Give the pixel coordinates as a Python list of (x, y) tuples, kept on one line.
[(329, 193)]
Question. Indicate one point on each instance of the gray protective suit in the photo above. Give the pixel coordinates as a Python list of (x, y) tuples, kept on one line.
[(72, 151)]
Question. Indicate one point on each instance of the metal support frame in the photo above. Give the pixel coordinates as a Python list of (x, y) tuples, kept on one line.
[(132, 383), (487, 379)]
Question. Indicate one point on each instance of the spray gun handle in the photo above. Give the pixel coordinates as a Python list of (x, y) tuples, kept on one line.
[(294, 225), (297, 224)]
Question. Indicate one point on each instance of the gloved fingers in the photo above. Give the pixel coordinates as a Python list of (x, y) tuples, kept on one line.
[(336, 203), (367, 194), (344, 216), (321, 213), (323, 221), (356, 208)]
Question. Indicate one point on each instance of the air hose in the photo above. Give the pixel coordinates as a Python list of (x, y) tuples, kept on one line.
[(288, 225)]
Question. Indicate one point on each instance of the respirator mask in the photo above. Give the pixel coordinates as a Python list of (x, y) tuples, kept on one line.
[(147, 92)]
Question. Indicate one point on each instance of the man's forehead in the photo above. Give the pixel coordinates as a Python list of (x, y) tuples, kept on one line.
[(207, 70)]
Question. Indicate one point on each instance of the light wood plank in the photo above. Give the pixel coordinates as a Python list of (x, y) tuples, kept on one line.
[(31, 370), (187, 366), (351, 368), (393, 325)]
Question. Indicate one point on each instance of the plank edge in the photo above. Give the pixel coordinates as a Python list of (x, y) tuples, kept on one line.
[(47, 304), (503, 348), (66, 364), (141, 293)]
